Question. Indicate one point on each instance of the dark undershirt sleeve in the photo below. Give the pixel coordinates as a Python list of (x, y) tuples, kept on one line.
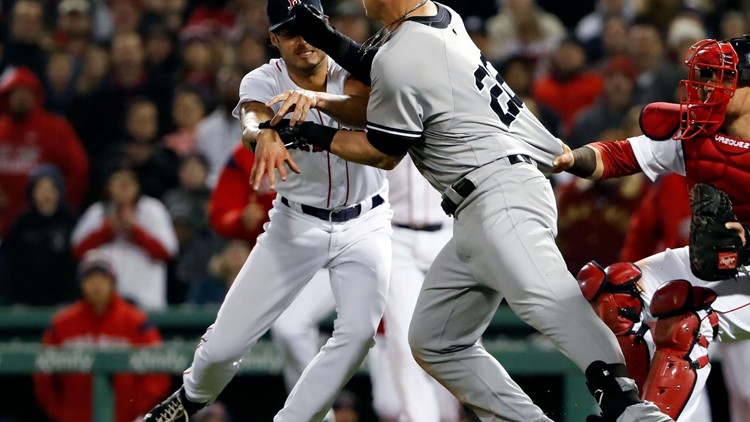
[(391, 144)]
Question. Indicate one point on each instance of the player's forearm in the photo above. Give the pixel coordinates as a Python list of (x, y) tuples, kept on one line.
[(251, 116), (353, 146), (587, 163), (348, 110)]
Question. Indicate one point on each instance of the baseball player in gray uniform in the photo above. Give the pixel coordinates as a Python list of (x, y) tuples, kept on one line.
[(335, 216), (435, 97)]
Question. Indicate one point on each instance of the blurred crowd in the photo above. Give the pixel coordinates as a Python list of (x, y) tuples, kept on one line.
[(115, 123)]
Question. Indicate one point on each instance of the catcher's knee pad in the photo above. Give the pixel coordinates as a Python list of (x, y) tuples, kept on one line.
[(673, 374), (613, 293)]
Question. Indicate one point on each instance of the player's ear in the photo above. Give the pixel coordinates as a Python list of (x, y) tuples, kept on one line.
[(274, 39)]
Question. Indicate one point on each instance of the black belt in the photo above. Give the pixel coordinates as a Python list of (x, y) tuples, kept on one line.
[(464, 186), (420, 228), (336, 216)]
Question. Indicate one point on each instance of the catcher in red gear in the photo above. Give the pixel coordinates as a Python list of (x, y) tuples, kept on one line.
[(699, 293)]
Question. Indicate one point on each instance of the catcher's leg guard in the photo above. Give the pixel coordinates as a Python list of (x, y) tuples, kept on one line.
[(673, 374), (613, 293)]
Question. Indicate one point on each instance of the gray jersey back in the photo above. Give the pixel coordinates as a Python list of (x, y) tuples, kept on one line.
[(430, 79)]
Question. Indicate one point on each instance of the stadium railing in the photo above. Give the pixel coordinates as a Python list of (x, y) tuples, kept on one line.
[(520, 355)]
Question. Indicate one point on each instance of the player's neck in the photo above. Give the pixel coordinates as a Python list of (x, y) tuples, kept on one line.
[(313, 79), (409, 9), (738, 127)]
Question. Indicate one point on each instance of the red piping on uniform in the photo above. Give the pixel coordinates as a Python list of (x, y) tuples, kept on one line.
[(328, 200), (328, 158), (409, 195), (346, 200)]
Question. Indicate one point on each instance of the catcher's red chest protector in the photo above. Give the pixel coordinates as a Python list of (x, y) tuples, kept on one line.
[(724, 162)]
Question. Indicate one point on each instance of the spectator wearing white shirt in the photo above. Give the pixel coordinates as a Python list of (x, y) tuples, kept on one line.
[(137, 232), (219, 132)]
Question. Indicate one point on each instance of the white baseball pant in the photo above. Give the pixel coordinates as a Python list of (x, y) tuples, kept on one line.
[(293, 248)]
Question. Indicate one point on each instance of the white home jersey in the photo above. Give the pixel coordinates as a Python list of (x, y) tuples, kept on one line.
[(326, 181), (413, 201), (433, 89)]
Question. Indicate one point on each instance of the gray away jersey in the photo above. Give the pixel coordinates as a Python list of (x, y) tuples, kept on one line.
[(431, 80)]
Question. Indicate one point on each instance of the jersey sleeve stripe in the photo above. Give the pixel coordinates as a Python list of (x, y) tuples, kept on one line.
[(399, 132)]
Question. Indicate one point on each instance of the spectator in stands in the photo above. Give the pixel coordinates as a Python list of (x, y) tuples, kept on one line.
[(569, 86), (219, 132), (74, 32), (161, 51), (137, 232), (522, 28), (29, 137), (26, 35), (518, 73), (591, 28), (128, 79), (610, 109), (661, 221), (683, 32), (657, 76), (236, 211), (39, 268), (199, 57), (613, 41), (188, 110), (187, 205), (733, 24), (350, 19), (154, 163), (94, 68), (250, 49), (60, 82), (223, 269), (594, 216), (102, 319), (126, 15)]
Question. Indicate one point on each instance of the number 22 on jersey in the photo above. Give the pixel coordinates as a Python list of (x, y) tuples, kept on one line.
[(487, 78)]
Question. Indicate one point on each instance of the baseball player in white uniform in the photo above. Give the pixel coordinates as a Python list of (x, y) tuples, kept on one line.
[(435, 97), (334, 215), (420, 230)]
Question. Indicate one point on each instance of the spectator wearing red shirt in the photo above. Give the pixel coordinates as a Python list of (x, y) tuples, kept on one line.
[(99, 319), (29, 137), (661, 221), (569, 87), (235, 210)]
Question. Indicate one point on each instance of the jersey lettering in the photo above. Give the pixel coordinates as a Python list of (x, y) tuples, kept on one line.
[(485, 76)]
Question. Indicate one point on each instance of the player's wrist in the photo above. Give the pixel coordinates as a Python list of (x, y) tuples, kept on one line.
[(584, 162)]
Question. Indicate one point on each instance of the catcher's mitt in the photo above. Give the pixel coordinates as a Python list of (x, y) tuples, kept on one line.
[(716, 252)]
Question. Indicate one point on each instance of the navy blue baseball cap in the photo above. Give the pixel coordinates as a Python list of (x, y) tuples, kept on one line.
[(280, 11)]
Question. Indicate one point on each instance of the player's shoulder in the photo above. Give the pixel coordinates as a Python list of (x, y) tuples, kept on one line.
[(274, 66), (418, 40)]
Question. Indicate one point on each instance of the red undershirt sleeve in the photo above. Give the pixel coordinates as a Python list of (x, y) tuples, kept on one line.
[(618, 158)]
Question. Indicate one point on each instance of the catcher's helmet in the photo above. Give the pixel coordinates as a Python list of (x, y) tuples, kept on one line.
[(711, 83), (741, 46)]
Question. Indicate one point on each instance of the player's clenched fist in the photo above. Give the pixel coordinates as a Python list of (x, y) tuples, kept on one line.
[(300, 102)]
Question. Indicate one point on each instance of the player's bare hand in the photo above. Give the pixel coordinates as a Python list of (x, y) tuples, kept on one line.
[(271, 156), (300, 102), (563, 161), (735, 226)]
